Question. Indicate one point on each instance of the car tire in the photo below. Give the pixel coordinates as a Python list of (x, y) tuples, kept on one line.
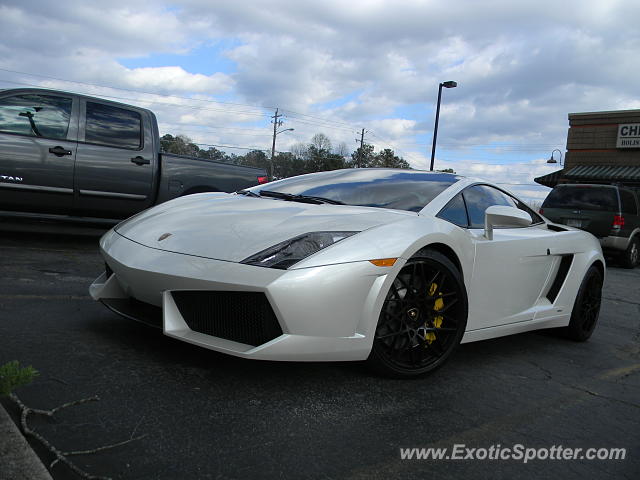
[(423, 317), (631, 256), (586, 307)]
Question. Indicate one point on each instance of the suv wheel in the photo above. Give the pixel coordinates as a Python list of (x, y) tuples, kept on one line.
[(631, 255)]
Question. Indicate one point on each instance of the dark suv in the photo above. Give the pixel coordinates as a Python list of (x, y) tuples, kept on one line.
[(609, 212)]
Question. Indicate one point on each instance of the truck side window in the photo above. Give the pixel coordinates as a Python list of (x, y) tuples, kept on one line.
[(113, 126), (36, 115)]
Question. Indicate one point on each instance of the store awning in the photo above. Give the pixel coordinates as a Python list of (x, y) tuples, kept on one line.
[(550, 179), (592, 174), (619, 173)]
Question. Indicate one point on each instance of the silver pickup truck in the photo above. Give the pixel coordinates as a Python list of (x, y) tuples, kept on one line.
[(77, 157)]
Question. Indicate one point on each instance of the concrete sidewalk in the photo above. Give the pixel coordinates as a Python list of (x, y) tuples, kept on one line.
[(17, 460)]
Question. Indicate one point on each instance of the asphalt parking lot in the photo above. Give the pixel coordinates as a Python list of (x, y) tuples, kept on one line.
[(207, 415)]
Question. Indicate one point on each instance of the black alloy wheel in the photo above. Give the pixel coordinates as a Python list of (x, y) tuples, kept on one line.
[(586, 308), (423, 317)]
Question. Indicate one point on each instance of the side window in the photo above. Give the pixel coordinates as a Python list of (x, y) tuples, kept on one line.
[(113, 126), (628, 203), (525, 208), (455, 212), (36, 115), (480, 197)]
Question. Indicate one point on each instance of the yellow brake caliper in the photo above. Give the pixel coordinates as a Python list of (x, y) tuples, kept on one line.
[(437, 306)]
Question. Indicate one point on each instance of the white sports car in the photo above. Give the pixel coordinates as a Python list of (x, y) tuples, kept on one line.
[(396, 267)]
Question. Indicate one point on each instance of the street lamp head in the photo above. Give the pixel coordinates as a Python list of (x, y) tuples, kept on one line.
[(553, 160), (449, 84)]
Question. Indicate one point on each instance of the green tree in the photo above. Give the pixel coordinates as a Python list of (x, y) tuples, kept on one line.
[(288, 165), (362, 157), (446, 170), (255, 158), (388, 159), (212, 153), (178, 145)]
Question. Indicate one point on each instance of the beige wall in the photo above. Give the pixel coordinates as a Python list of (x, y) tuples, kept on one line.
[(591, 139)]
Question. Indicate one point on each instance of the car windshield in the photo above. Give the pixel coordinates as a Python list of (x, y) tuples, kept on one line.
[(383, 188), (582, 197)]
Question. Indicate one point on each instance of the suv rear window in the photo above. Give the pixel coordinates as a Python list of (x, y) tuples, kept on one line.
[(582, 198)]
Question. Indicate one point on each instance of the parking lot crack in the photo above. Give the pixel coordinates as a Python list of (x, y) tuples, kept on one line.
[(606, 397), (615, 299), (549, 376)]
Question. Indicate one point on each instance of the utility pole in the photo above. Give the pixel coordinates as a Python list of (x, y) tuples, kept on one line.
[(360, 149), (276, 124)]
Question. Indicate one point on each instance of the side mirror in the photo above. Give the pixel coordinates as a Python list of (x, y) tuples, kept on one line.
[(501, 216)]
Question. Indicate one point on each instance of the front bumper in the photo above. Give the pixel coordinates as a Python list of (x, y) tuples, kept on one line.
[(325, 313)]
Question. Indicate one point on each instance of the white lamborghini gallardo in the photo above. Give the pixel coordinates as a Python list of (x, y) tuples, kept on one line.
[(396, 267)]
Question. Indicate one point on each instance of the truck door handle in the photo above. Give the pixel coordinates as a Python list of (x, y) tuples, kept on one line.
[(59, 151), (140, 161)]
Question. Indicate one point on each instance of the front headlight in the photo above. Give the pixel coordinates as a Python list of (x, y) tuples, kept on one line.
[(290, 252)]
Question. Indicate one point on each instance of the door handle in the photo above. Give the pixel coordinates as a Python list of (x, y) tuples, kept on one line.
[(59, 151), (140, 161)]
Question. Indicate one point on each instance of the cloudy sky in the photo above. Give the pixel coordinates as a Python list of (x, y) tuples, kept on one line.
[(216, 70)]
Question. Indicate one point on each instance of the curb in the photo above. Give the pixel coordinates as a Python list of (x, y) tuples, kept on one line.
[(18, 460)]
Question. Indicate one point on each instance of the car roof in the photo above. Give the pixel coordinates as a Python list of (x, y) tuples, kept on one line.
[(26, 90)]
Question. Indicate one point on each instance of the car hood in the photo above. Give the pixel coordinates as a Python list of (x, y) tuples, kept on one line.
[(234, 227)]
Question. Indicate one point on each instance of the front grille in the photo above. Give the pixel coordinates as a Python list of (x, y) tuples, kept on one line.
[(244, 317)]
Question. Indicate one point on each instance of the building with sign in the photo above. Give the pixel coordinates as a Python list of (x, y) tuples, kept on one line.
[(602, 147)]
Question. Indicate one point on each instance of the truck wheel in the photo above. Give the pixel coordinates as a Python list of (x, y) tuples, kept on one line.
[(631, 255)]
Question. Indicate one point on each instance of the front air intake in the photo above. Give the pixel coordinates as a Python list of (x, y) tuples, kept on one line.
[(243, 317)]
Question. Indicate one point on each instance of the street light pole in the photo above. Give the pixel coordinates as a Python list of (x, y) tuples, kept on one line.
[(449, 84)]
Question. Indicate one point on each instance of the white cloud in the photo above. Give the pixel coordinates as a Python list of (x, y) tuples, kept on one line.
[(520, 66)]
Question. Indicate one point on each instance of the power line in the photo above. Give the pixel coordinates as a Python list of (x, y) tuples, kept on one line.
[(152, 102), (178, 131), (231, 146), (162, 95), (129, 89), (210, 127), (321, 124)]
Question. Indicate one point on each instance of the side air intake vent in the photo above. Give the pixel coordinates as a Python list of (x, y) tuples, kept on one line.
[(563, 270)]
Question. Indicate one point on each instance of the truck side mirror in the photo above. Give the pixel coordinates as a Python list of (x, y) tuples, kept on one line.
[(502, 216)]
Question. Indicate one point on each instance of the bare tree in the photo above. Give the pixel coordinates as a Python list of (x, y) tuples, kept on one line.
[(342, 150), (299, 150), (321, 142)]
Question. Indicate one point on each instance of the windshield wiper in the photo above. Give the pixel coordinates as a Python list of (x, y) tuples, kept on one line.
[(299, 198), (248, 193)]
